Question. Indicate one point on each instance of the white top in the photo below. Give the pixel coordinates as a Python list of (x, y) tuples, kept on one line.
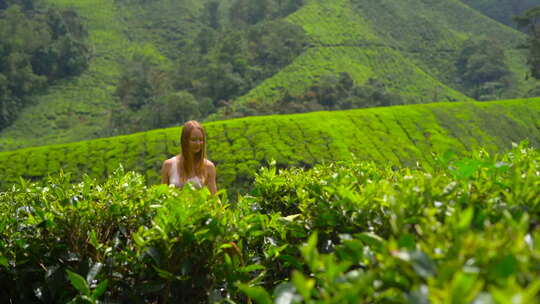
[(174, 176)]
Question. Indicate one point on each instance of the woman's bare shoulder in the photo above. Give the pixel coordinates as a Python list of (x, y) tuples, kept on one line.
[(209, 164), (168, 162)]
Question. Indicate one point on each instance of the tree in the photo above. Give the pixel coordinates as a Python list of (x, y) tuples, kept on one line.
[(180, 107), (205, 40), (142, 81), (275, 44), (34, 51), (333, 92), (224, 63), (482, 68), (8, 103), (238, 13), (210, 15), (530, 21), (19, 38)]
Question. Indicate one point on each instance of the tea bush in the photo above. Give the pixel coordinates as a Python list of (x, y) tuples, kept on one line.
[(464, 229), (122, 241)]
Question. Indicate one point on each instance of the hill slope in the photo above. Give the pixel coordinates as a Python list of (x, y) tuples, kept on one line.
[(79, 108), (410, 47), (399, 135)]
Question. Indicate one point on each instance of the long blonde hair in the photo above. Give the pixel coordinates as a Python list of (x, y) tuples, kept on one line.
[(192, 164)]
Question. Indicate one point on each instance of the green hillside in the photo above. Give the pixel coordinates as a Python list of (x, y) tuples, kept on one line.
[(400, 135), (77, 108), (410, 47)]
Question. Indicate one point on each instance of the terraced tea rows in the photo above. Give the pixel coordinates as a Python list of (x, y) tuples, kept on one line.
[(400, 135)]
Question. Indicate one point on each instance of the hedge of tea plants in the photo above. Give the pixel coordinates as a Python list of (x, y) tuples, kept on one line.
[(466, 229), (400, 135)]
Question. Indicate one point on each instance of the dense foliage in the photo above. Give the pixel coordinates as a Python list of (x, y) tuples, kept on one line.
[(483, 70), (399, 135), (329, 93), (464, 229), (37, 47)]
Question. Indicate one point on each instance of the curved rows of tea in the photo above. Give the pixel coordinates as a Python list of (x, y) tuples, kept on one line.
[(465, 230), (383, 63), (400, 135)]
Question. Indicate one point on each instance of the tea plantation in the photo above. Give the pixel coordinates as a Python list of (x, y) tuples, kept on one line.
[(462, 230), (410, 47), (400, 135)]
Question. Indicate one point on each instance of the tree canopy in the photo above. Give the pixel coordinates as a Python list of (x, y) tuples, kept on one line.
[(37, 47)]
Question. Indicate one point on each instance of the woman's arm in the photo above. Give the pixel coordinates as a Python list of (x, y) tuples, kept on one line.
[(165, 172), (211, 171)]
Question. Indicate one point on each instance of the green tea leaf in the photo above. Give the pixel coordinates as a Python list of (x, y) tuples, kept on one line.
[(309, 251), (257, 293), (465, 287), (466, 218), (4, 261), (371, 239), (100, 289), (506, 267), (138, 240), (407, 241), (290, 218), (303, 284), (93, 239), (251, 268), (163, 273), (78, 282)]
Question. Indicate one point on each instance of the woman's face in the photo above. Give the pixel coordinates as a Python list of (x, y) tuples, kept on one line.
[(196, 141)]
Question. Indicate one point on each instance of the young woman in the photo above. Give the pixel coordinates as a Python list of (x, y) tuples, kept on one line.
[(191, 166)]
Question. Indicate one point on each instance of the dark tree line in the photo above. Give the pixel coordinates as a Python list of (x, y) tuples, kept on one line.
[(330, 92), (37, 47), (338, 92)]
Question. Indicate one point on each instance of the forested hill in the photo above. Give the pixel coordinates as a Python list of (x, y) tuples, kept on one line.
[(139, 65), (400, 135)]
